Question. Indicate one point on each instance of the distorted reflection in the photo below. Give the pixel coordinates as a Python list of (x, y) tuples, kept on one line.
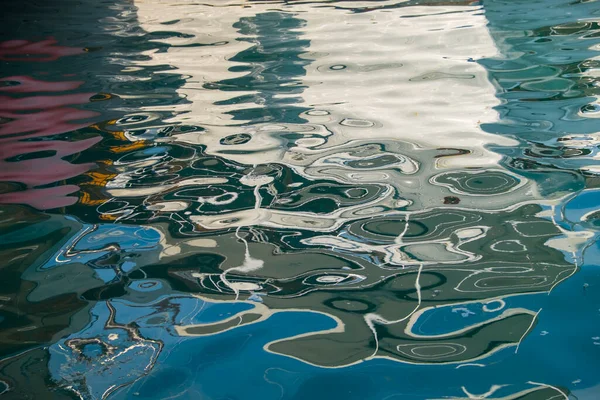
[(353, 200)]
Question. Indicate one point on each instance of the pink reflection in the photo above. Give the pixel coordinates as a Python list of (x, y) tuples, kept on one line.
[(37, 116), (45, 50), (62, 148), (43, 199), (42, 102), (43, 123), (25, 84), (42, 171)]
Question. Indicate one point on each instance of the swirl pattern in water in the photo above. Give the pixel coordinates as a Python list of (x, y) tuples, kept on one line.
[(300, 199)]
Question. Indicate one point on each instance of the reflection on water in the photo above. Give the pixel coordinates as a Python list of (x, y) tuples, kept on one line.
[(358, 200)]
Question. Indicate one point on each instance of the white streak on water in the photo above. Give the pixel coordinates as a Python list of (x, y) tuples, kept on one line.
[(372, 318)]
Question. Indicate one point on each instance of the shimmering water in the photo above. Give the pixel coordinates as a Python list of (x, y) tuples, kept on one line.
[(300, 199)]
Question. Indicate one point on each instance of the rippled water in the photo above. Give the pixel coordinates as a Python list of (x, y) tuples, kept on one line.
[(300, 199)]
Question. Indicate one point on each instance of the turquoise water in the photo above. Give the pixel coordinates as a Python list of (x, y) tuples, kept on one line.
[(300, 200)]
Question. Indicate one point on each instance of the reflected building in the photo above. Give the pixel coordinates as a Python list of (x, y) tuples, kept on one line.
[(387, 114), (287, 127)]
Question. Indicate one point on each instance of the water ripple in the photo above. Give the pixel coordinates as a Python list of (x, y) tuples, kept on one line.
[(312, 191)]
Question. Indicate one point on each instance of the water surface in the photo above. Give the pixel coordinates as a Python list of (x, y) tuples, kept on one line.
[(300, 199)]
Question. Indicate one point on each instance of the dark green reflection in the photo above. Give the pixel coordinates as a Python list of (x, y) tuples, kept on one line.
[(274, 66)]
